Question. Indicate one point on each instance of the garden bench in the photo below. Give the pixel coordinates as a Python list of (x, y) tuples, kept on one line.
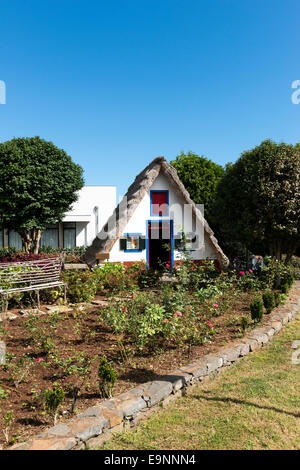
[(25, 276)]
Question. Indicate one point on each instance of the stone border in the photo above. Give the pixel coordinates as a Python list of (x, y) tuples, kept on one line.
[(96, 424)]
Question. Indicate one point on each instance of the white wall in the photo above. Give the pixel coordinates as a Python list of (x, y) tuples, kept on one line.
[(137, 224), (103, 197)]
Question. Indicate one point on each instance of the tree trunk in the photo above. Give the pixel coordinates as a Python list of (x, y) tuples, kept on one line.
[(36, 240), (290, 251), (26, 240), (278, 250), (31, 237)]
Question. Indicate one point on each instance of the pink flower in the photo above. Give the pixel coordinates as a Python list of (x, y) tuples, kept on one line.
[(242, 273), (39, 359), (179, 314), (124, 309), (38, 390), (165, 320), (250, 271), (209, 324), (167, 265), (215, 305)]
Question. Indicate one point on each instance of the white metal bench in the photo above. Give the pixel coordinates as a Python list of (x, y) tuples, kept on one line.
[(30, 276)]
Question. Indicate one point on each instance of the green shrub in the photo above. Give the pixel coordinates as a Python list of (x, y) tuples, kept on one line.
[(107, 378), (269, 302), (295, 267), (285, 288), (116, 277), (256, 309), (148, 278), (244, 323), (141, 318), (283, 298), (277, 298), (3, 393), (82, 285), (193, 275), (247, 281), (290, 279), (53, 398)]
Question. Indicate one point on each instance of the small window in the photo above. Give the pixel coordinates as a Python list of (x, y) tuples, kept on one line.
[(132, 242), (186, 242), (159, 203)]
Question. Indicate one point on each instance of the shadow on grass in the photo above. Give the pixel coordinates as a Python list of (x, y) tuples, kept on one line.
[(247, 403)]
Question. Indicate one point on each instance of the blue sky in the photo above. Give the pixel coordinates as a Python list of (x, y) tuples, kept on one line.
[(116, 83)]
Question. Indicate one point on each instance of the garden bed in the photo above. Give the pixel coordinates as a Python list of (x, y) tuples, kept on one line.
[(94, 340), (145, 330)]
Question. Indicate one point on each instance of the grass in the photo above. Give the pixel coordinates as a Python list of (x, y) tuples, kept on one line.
[(253, 405)]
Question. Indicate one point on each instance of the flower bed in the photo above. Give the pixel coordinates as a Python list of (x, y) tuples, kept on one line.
[(143, 329)]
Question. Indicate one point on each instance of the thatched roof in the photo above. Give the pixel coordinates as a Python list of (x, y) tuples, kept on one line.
[(117, 222)]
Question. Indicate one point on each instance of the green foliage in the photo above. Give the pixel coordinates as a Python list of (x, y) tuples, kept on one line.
[(20, 370), (3, 393), (244, 323), (53, 399), (107, 378), (248, 281), (193, 275), (290, 279), (200, 177), (82, 285), (76, 365), (295, 267), (277, 298), (256, 309), (269, 301), (8, 420), (284, 288), (176, 317), (148, 278), (116, 277), (257, 201), (38, 184)]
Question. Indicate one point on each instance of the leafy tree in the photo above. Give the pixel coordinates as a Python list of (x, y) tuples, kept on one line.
[(200, 177), (258, 200), (38, 184)]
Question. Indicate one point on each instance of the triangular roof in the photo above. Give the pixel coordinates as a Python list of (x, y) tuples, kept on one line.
[(123, 212)]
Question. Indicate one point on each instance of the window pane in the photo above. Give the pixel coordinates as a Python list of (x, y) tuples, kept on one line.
[(69, 237), (50, 237), (132, 242), (14, 240)]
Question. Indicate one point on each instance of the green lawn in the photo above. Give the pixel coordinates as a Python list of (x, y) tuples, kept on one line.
[(254, 405)]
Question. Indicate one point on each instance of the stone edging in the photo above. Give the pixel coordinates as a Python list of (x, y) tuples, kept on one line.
[(95, 425)]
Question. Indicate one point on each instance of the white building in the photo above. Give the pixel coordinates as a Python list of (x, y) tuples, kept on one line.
[(79, 226), (155, 222)]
